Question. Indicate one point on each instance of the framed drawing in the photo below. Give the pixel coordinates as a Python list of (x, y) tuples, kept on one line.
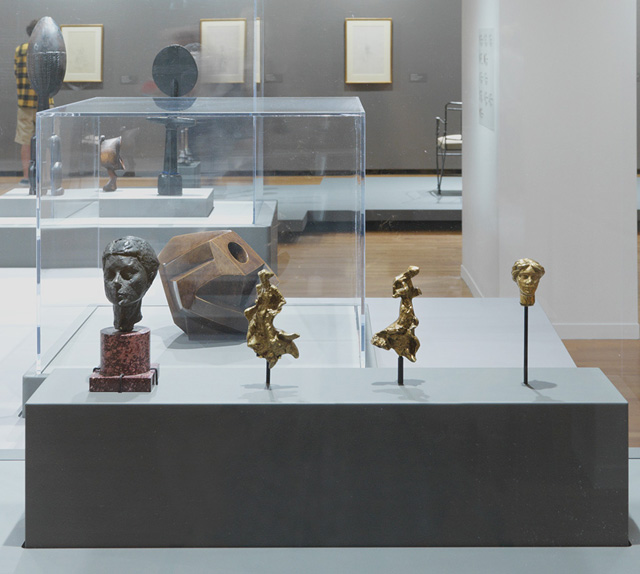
[(222, 50), (84, 44), (367, 50)]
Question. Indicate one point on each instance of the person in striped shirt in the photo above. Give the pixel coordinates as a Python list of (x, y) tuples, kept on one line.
[(27, 105)]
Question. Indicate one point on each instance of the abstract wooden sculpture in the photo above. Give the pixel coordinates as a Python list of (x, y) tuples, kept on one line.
[(209, 279)]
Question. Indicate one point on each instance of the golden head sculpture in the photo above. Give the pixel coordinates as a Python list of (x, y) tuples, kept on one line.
[(527, 273)]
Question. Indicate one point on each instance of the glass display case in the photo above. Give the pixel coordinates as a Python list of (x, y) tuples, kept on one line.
[(274, 171)]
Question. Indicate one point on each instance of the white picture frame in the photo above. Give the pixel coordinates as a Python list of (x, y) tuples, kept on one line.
[(368, 44), (84, 44), (223, 50)]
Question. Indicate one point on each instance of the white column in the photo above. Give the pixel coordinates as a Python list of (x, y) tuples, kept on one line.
[(554, 179)]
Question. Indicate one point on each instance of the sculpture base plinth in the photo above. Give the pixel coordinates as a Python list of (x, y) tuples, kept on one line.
[(140, 383), (124, 362), (329, 457), (169, 184), (125, 353)]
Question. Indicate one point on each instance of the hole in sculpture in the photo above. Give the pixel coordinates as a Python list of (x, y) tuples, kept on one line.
[(238, 252)]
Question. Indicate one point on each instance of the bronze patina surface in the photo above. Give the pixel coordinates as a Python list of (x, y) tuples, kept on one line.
[(268, 342), (209, 279), (401, 334), (129, 266), (527, 273), (110, 159)]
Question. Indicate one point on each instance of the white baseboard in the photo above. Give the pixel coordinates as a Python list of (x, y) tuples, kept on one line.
[(597, 330)]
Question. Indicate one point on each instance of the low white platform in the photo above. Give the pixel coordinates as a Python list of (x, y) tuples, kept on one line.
[(328, 335), (459, 332), (453, 332), (330, 199), (124, 202), (74, 241)]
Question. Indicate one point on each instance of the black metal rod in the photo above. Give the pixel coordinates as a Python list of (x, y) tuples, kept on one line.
[(526, 345), (400, 371), (268, 376)]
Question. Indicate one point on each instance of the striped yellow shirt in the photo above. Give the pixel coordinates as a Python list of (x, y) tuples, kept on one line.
[(27, 97)]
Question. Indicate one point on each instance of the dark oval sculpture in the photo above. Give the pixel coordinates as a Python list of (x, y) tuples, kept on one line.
[(174, 71), (46, 60)]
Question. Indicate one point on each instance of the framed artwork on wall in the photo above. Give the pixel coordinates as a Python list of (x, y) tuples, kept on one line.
[(84, 45), (223, 45), (367, 51)]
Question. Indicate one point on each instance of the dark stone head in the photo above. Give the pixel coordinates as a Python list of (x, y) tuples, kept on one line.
[(129, 266)]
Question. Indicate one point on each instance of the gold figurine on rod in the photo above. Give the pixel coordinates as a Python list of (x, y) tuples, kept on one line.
[(268, 342), (401, 334), (527, 273)]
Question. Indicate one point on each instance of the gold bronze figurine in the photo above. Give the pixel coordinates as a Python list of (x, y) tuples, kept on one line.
[(401, 334), (527, 273), (268, 342)]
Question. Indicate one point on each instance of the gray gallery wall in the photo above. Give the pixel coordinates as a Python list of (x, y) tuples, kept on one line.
[(304, 56)]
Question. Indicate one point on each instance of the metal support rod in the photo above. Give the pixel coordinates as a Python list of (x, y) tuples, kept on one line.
[(268, 376), (400, 371), (526, 345)]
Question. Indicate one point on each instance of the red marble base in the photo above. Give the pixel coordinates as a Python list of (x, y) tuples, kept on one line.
[(140, 383), (124, 362), (124, 353)]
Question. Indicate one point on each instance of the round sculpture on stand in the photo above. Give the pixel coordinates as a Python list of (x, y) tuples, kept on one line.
[(129, 267), (175, 72)]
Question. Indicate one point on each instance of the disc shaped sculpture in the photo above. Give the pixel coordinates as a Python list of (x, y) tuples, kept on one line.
[(129, 266), (209, 279), (46, 66), (175, 72)]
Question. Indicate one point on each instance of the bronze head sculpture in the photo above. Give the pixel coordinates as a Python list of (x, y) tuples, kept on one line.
[(527, 273), (129, 266)]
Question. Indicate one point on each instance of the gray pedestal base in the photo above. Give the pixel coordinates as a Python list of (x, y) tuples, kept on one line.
[(329, 457)]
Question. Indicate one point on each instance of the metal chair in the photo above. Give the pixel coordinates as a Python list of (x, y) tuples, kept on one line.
[(447, 144)]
